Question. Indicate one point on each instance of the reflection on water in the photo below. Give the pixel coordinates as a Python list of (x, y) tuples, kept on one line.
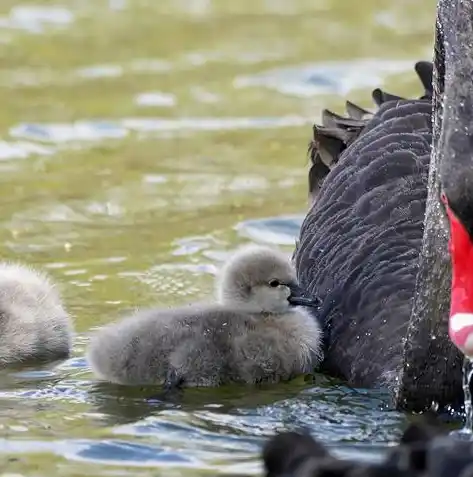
[(140, 142), (277, 230), (204, 428), (326, 78), (82, 131), (35, 19)]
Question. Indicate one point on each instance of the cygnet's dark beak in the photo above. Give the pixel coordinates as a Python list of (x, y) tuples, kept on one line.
[(297, 298)]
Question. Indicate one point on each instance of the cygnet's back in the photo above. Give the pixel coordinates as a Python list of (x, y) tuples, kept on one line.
[(34, 325), (253, 334)]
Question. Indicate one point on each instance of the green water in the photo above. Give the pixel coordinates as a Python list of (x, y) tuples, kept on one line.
[(140, 142)]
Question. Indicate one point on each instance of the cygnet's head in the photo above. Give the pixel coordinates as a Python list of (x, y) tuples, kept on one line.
[(260, 279)]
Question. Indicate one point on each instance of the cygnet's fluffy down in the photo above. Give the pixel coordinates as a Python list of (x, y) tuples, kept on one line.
[(254, 333), (34, 326)]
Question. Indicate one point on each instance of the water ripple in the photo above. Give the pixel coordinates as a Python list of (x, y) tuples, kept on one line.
[(325, 78), (100, 130), (194, 245), (156, 98), (22, 150), (62, 133), (274, 230), (37, 18), (134, 454)]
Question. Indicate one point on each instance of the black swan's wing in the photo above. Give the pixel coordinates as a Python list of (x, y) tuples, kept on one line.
[(337, 132), (360, 241)]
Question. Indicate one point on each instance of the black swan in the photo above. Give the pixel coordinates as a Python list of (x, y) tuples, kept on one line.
[(374, 244)]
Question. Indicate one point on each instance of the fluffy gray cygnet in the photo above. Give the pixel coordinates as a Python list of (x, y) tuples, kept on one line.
[(254, 333), (34, 326)]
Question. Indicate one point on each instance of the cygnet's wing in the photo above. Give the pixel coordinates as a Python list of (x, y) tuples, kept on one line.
[(135, 350), (359, 243), (149, 346)]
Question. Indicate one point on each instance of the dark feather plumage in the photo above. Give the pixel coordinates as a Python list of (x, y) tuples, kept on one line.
[(423, 449), (337, 132), (359, 244)]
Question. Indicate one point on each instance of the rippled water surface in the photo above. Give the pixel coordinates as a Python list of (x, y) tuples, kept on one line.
[(141, 141)]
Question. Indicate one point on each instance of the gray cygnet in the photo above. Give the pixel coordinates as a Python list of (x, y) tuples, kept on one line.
[(256, 332), (34, 326)]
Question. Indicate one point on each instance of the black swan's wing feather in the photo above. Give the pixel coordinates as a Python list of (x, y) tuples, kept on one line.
[(356, 112), (337, 132), (425, 71), (359, 244), (380, 97)]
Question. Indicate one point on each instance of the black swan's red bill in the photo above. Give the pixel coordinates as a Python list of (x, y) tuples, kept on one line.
[(461, 303)]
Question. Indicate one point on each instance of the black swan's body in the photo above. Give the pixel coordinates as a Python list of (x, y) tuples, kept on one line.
[(373, 245), (361, 240)]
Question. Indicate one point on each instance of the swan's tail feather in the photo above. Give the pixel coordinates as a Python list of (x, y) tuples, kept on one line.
[(333, 120), (325, 148), (356, 112), (380, 97), (317, 174), (337, 132), (425, 71), (328, 143)]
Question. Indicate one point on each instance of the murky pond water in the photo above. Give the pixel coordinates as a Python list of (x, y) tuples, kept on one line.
[(140, 141)]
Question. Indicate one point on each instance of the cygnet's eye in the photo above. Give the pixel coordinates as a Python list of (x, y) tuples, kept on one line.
[(274, 283)]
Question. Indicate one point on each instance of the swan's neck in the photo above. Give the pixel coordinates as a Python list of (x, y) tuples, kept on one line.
[(430, 363), (432, 366), (456, 165), (455, 33)]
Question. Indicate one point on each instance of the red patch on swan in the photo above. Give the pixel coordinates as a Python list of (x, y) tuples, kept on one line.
[(460, 326)]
